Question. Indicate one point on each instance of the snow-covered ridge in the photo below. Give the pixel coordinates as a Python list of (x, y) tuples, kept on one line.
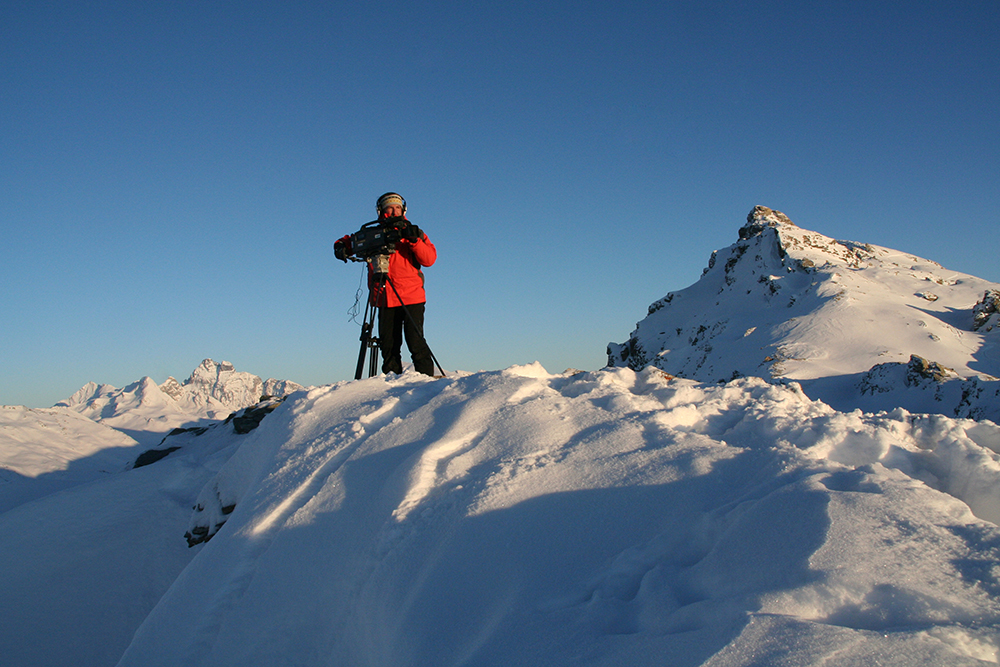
[(44, 451), (787, 303), (100, 429)]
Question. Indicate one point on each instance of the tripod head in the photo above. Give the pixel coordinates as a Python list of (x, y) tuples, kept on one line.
[(380, 266)]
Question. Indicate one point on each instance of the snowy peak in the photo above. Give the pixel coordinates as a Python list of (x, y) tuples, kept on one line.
[(104, 401), (213, 382), (223, 383), (807, 249), (86, 394), (784, 302)]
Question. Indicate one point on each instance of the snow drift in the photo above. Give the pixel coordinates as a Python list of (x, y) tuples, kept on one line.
[(603, 518)]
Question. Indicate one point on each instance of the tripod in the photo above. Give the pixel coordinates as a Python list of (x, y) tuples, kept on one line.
[(368, 342), (380, 278)]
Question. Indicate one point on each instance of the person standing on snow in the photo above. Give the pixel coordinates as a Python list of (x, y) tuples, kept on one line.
[(402, 287)]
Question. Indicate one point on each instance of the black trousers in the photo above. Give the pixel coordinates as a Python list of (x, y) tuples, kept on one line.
[(393, 327)]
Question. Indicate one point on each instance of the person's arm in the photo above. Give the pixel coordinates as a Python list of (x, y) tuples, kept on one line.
[(342, 248), (421, 246)]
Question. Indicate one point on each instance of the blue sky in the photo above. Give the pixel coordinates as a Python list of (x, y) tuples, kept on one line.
[(173, 175)]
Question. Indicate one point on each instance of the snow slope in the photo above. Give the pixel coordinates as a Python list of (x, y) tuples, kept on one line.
[(845, 319), (82, 567), (602, 518), (43, 451)]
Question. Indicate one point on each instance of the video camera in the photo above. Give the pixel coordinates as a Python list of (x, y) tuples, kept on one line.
[(378, 237)]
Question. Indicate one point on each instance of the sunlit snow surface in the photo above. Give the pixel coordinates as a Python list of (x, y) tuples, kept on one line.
[(600, 518)]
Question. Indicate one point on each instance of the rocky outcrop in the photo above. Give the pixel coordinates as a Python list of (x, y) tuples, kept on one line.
[(893, 375), (242, 422), (919, 370), (761, 218), (247, 420), (986, 313)]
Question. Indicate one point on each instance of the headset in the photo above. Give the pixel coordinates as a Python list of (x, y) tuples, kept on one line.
[(378, 204)]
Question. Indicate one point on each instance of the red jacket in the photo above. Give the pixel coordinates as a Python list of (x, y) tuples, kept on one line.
[(405, 274)]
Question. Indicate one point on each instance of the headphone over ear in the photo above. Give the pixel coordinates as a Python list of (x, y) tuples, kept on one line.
[(390, 199)]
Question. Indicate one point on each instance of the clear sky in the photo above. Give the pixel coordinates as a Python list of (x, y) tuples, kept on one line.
[(173, 175)]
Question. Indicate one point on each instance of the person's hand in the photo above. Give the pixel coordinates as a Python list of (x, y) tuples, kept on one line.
[(412, 233), (342, 248)]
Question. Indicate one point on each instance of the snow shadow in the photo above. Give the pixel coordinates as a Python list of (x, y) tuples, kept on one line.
[(978, 565), (985, 359), (17, 489), (560, 578)]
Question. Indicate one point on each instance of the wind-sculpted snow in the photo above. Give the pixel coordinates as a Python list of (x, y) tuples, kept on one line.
[(598, 518)]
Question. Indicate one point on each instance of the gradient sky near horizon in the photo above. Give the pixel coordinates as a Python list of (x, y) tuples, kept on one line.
[(173, 175)]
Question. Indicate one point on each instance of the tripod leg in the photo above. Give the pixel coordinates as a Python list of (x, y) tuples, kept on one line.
[(373, 361), (366, 340)]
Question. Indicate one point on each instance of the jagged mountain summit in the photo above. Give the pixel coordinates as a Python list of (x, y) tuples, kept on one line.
[(213, 382), (858, 325), (213, 391)]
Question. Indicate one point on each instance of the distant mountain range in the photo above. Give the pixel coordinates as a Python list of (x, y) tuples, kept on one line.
[(146, 410)]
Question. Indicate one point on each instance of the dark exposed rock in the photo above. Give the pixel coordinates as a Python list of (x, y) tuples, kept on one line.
[(893, 375), (197, 430), (760, 218), (248, 419), (152, 456), (919, 369), (209, 517), (243, 421)]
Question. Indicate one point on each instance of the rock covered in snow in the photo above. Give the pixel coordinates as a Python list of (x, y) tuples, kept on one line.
[(917, 372), (786, 303)]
